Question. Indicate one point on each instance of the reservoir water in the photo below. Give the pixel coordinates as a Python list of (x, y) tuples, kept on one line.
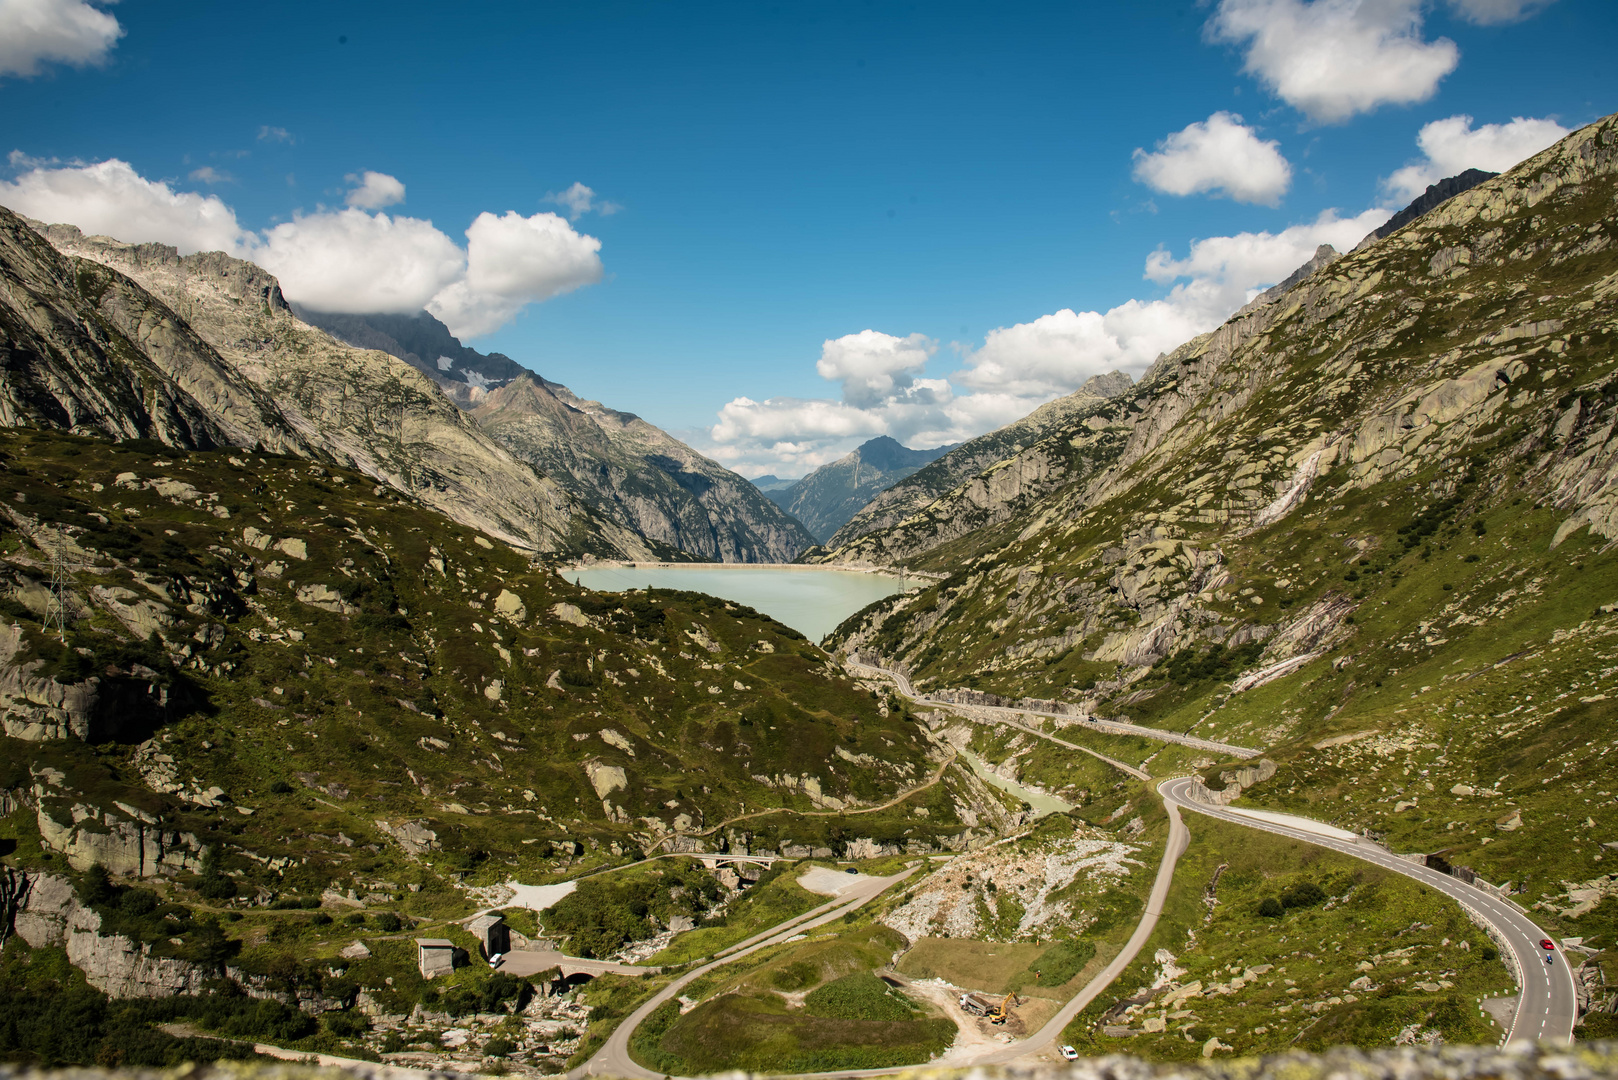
[(810, 599)]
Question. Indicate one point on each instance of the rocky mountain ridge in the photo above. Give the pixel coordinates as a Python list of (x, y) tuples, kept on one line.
[(203, 351), (638, 475), (425, 343), (927, 484), (625, 468)]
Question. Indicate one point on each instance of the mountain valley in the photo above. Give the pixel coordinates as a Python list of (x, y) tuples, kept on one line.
[(291, 679)]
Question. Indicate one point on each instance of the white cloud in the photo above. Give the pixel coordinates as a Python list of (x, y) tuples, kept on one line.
[(332, 260), (1335, 58), (38, 32), (514, 261), (266, 133), (1017, 368), (1220, 154), (109, 198), (873, 366), (1452, 146), (374, 190), (1496, 12), (210, 175), (349, 260), (581, 200)]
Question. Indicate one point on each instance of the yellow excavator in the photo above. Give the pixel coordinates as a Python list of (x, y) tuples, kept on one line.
[(1003, 1010)]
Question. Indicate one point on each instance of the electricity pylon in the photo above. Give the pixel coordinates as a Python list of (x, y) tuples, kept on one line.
[(56, 615)]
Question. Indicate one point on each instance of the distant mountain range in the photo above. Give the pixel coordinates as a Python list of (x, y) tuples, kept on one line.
[(628, 470), (828, 497)]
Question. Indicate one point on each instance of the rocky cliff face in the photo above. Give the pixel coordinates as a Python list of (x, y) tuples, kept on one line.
[(917, 492), (638, 475), (91, 351), (202, 351), (829, 497), (426, 344), (51, 915)]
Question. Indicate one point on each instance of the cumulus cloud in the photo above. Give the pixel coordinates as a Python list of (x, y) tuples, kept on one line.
[(1332, 59), (349, 260), (333, 260), (266, 133), (1496, 12), (1453, 145), (580, 200), (373, 190), (513, 261), (1018, 367), (34, 33), (210, 175), (110, 198), (1220, 154), (873, 366)]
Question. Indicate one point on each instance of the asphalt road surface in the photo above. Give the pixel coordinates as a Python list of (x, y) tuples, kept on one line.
[(1548, 1004)]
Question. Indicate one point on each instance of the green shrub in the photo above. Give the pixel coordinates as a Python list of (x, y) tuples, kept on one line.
[(794, 976), (347, 1024), (1270, 908), (1303, 894), (388, 922), (861, 996)]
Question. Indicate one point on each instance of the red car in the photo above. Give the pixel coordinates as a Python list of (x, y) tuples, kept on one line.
[(1546, 944)]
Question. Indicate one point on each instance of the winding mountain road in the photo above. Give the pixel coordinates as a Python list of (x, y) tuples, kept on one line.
[(1003, 714), (1548, 1006)]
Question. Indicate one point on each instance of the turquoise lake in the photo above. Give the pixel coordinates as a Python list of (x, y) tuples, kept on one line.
[(811, 600)]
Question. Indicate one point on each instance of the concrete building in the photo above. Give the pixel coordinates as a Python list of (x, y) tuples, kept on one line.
[(438, 956), (492, 933)]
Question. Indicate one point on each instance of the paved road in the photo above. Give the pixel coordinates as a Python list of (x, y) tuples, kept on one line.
[(1111, 727), (613, 1059), (525, 962), (1549, 1003)]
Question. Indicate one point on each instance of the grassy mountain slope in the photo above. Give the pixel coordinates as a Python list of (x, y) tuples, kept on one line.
[(334, 658), (827, 498), (638, 475), (1386, 497)]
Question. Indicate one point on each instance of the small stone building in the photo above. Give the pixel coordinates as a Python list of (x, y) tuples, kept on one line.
[(438, 956), (492, 933)]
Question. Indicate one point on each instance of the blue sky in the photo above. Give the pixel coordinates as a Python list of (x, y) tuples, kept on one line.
[(784, 178)]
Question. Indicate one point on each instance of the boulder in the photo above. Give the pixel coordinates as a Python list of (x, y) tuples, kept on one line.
[(293, 547), (509, 605), (128, 848), (604, 778), (325, 598), (413, 836)]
